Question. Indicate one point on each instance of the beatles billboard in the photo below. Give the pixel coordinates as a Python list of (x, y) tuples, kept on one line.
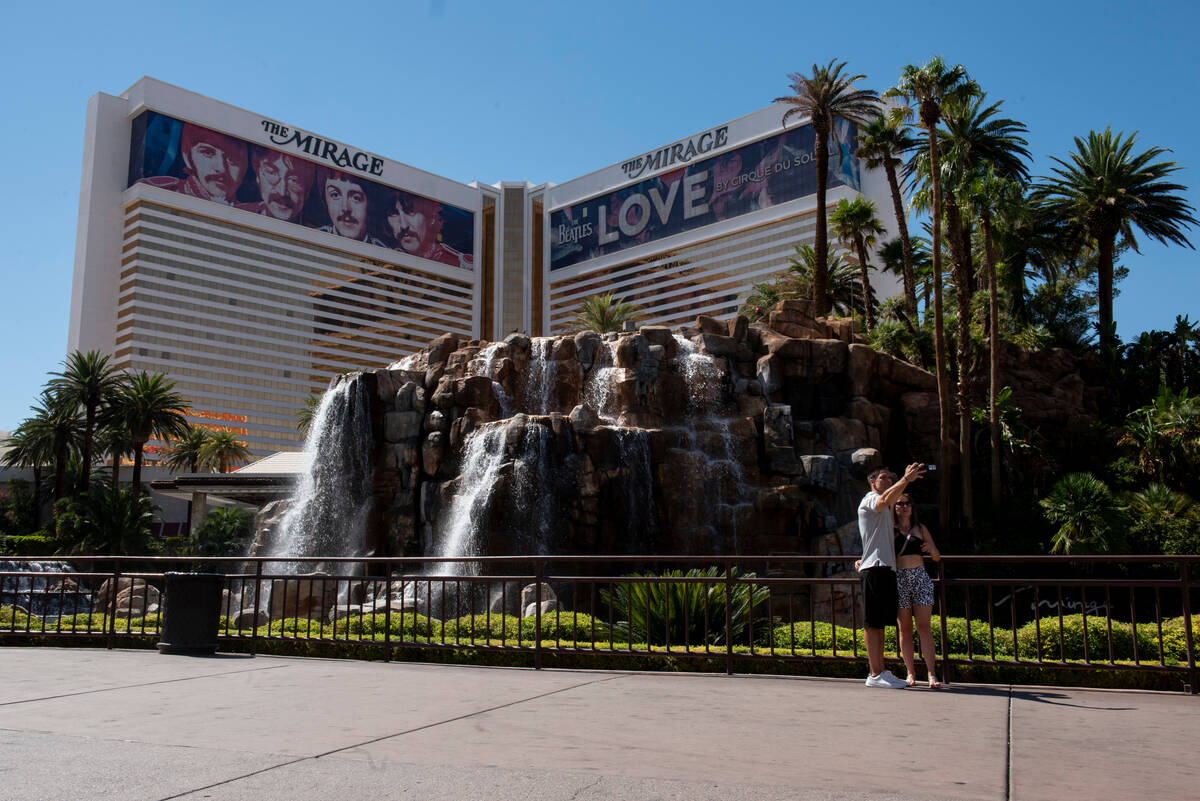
[(326, 191), (699, 192)]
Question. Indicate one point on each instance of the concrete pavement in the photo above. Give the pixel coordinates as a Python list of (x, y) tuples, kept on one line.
[(94, 724)]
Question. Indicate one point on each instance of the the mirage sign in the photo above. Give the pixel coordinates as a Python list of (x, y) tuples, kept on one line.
[(697, 193)]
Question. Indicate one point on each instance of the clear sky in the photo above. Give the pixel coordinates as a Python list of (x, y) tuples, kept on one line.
[(548, 91)]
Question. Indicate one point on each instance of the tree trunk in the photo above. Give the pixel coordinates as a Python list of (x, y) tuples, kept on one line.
[(820, 287), (939, 337), (37, 497), (137, 469), (868, 314), (1106, 241), (910, 284), (961, 269), (989, 257), (116, 471), (90, 430), (60, 470)]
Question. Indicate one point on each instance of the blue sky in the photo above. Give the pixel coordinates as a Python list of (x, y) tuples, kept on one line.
[(547, 91)]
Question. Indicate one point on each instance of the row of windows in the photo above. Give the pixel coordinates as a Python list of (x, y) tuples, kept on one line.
[(706, 278)]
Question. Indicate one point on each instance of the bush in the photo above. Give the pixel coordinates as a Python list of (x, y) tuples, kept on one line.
[(40, 544), (1097, 639), (662, 611), (800, 637), (1175, 637), (981, 638), (407, 626)]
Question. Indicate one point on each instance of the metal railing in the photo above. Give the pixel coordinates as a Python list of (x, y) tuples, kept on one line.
[(1129, 613)]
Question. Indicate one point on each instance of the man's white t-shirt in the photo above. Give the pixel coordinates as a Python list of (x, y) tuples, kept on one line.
[(878, 534)]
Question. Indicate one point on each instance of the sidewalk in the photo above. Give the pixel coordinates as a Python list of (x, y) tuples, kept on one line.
[(94, 724)]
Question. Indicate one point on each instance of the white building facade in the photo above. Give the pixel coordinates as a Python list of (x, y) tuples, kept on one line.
[(251, 260)]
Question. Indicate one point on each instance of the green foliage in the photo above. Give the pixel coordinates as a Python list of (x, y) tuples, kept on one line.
[(1088, 517), (41, 544), (18, 508), (223, 533), (406, 626), (563, 626), (1164, 437), (657, 612), (605, 313), (1164, 520), (1072, 638)]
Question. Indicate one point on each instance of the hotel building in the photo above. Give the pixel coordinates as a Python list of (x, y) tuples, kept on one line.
[(251, 260)]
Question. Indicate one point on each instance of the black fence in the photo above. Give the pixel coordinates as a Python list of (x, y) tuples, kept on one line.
[(1130, 613)]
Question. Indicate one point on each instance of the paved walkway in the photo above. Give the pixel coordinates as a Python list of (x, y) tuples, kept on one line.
[(93, 724)]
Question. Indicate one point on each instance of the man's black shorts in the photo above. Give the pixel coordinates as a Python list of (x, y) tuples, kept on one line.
[(880, 599)]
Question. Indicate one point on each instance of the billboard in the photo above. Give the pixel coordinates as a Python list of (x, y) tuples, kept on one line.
[(197, 161), (754, 176)]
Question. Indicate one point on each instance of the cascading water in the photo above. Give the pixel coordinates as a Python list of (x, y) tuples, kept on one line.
[(539, 381), (597, 386), (459, 526), (484, 364), (329, 510), (725, 492), (40, 590)]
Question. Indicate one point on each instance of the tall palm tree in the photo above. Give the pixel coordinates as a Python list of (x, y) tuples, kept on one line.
[(924, 90), (88, 380), (29, 447), (112, 437), (605, 313), (223, 449), (54, 430), (991, 194), (149, 407), (824, 96), (975, 141), (855, 223), (185, 449), (881, 144), (1106, 190)]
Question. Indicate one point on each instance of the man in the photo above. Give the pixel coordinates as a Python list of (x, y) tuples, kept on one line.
[(878, 566), (416, 224), (283, 184), (214, 165), (346, 202)]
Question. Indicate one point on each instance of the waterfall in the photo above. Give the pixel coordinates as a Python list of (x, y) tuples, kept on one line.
[(597, 387), (483, 454), (708, 434), (484, 364), (539, 380), (40, 589), (634, 446), (330, 507)]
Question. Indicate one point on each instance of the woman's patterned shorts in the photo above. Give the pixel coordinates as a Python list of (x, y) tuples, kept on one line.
[(914, 586)]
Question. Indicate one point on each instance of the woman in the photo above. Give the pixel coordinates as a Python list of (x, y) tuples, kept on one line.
[(913, 544)]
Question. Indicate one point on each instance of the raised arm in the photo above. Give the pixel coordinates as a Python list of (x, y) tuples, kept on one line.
[(890, 495)]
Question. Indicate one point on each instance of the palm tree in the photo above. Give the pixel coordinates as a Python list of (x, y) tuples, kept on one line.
[(880, 145), (845, 285), (186, 448), (605, 313), (976, 142), (823, 96), (223, 449), (926, 88), (149, 407), (307, 413), (52, 433), (89, 381), (29, 447), (113, 438), (1086, 512), (1105, 190), (990, 193), (855, 223)]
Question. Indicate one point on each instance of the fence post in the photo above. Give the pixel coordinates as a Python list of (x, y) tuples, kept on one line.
[(728, 618), (941, 568), (257, 602), (537, 614), (1184, 581), (387, 616), (112, 602)]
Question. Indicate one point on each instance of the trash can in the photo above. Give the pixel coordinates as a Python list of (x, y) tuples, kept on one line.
[(191, 613)]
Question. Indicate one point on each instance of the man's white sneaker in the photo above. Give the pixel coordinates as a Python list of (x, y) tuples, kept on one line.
[(886, 679)]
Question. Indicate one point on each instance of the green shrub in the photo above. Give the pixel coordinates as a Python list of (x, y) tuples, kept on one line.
[(981, 638), (405, 626), (40, 544), (1097, 639), (1175, 638), (662, 611), (800, 637)]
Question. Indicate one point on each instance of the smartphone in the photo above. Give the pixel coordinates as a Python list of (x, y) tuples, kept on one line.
[(929, 468)]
